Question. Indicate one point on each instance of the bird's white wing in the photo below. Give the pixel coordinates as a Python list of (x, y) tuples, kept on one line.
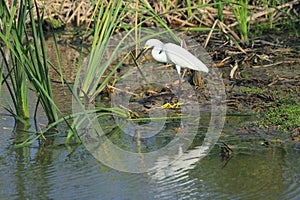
[(180, 56)]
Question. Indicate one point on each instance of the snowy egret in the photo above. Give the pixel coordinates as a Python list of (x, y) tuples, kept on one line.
[(172, 53)]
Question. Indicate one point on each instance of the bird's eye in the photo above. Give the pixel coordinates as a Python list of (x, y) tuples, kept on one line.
[(160, 52)]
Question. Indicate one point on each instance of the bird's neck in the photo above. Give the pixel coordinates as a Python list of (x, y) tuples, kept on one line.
[(159, 55)]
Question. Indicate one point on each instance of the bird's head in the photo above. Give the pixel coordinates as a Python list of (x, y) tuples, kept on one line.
[(152, 43)]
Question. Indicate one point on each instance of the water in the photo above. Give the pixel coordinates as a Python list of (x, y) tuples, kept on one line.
[(59, 171)]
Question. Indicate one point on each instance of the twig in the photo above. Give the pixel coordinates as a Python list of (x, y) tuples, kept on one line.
[(136, 27), (210, 33), (233, 70), (224, 27), (272, 64), (114, 88)]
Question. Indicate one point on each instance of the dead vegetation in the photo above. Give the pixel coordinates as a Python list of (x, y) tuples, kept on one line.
[(175, 13)]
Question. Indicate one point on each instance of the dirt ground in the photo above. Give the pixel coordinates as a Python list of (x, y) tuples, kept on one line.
[(258, 77), (263, 79)]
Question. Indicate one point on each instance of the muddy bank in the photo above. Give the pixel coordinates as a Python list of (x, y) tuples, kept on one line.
[(261, 80), (264, 80)]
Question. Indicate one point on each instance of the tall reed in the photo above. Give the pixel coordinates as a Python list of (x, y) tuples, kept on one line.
[(106, 19), (27, 61), (37, 66), (12, 66)]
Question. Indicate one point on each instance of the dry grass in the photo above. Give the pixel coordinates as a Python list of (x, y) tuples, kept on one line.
[(203, 14)]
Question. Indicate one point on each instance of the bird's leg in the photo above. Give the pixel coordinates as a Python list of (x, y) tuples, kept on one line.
[(179, 87), (178, 93), (180, 81)]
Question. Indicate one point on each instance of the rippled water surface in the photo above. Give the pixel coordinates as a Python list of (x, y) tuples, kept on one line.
[(58, 172)]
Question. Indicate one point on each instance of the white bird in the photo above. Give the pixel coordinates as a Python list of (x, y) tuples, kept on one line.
[(172, 53)]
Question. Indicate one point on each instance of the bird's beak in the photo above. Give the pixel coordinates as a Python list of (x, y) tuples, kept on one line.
[(142, 52)]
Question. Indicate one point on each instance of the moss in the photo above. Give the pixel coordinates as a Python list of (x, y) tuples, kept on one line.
[(281, 113), (282, 95), (54, 23), (285, 118), (252, 90)]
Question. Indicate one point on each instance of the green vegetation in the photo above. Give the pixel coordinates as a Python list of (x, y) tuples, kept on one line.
[(55, 24), (106, 20), (281, 113), (27, 62), (13, 61), (240, 10), (285, 118), (252, 90), (220, 10)]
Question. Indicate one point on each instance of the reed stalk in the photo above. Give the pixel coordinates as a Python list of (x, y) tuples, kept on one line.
[(27, 61), (106, 19), (13, 75), (240, 10), (220, 10), (36, 66)]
